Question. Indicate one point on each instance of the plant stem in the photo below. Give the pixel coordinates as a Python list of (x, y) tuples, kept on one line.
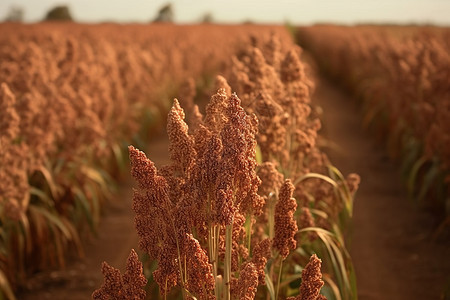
[(179, 259), (213, 245), (227, 266), (165, 291), (181, 268), (279, 278), (216, 257), (271, 217), (213, 254), (249, 235)]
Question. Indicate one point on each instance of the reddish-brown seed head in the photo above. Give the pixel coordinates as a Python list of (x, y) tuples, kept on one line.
[(285, 224)]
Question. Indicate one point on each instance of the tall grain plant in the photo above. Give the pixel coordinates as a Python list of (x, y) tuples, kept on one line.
[(224, 220), (197, 216), (273, 84), (72, 98)]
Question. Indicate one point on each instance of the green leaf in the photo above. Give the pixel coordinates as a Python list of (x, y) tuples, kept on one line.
[(75, 237), (50, 182), (411, 153), (428, 180), (53, 219), (118, 154), (343, 190), (412, 178), (330, 289), (94, 175), (84, 202), (340, 260), (270, 287), (318, 212), (290, 279), (317, 176), (258, 155), (42, 195)]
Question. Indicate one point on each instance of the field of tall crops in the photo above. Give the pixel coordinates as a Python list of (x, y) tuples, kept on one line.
[(401, 76), (223, 211), (249, 205)]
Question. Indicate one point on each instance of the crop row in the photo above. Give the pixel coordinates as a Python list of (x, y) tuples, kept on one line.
[(248, 197), (71, 98), (401, 75)]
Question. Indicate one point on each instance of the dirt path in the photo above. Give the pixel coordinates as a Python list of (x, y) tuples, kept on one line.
[(116, 238), (392, 251)]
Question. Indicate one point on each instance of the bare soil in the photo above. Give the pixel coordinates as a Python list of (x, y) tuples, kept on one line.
[(391, 246)]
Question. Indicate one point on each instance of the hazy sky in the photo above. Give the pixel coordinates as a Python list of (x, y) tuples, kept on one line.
[(297, 12)]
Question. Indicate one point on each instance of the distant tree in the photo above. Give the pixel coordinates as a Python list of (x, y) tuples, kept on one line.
[(59, 13), (165, 14), (207, 18), (15, 14)]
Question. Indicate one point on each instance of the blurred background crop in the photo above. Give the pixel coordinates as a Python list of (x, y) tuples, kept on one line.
[(304, 12)]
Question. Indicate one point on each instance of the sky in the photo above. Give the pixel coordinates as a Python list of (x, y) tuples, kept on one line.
[(302, 12)]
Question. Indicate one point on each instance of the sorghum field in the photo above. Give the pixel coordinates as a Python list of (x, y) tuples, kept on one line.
[(224, 162)]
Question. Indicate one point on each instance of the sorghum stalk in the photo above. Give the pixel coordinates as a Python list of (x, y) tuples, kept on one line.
[(227, 266), (213, 240), (271, 217), (183, 291), (248, 230), (217, 286), (213, 245), (279, 278)]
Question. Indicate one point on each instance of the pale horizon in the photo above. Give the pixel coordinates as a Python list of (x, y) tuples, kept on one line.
[(301, 12)]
